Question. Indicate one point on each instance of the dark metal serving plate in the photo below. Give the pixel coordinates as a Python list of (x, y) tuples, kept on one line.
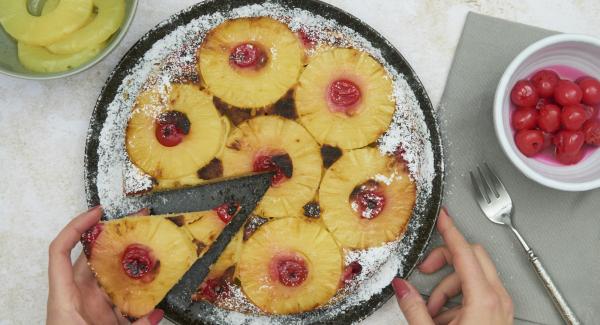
[(418, 232)]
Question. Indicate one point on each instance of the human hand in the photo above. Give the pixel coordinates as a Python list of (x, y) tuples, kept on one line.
[(74, 296), (485, 300)]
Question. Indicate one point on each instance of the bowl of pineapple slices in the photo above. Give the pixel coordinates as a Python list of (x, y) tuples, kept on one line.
[(301, 89), (47, 39)]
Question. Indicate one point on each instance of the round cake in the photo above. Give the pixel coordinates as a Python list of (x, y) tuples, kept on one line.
[(261, 96)]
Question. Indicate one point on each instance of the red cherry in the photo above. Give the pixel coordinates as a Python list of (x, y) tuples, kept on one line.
[(524, 94), (568, 158), (137, 261), (525, 119), (89, 237), (171, 127), (567, 93), (549, 119), (544, 82), (529, 142), (292, 271), (343, 94), (280, 164), (368, 199), (572, 117), (307, 41), (351, 271), (590, 111), (247, 55), (591, 130), (548, 140), (591, 90), (226, 211), (213, 289), (569, 142)]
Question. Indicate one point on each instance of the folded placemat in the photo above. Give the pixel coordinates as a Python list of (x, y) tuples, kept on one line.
[(563, 228)]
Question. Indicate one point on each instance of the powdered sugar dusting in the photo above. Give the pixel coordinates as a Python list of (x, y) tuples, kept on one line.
[(172, 59)]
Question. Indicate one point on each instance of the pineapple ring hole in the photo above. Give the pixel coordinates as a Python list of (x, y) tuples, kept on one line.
[(171, 127), (367, 199), (290, 270), (344, 96), (138, 263), (248, 55)]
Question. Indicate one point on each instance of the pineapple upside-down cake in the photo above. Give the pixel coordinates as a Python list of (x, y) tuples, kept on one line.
[(261, 103)]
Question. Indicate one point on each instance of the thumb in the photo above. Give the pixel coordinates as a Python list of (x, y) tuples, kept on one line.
[(151, 319), (410, 301)]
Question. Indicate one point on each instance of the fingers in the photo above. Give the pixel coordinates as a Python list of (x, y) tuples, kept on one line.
[(447, 316), (465, 262), (151, 319), (449, 287), (437, 259), (60, 269), (410, 302), (492, 275)]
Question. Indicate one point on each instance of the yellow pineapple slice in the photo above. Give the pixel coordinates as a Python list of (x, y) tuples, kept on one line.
[(50, 5), (366, 198), (250, 62), (39, 59), (344, 98), (138, 259), (289, 266), (274, 143), (174, 137), (66, 18), (109, 17)]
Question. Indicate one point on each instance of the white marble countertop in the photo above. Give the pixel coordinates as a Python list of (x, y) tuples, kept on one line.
[(43, 124)]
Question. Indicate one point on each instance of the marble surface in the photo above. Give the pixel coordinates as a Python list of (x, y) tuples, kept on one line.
[(43, 125)]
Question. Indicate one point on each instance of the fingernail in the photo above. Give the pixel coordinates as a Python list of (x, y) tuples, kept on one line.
[(94, 208), (155, 316), (401, 288)]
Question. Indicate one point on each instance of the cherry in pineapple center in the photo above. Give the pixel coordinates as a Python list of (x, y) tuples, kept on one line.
[(290, 270), (138, 262), (171, 127), (343, 96), (248, 55), (281, 164), (368, 199)]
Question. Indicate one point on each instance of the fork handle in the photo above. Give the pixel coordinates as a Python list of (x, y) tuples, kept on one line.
[(565, 311)]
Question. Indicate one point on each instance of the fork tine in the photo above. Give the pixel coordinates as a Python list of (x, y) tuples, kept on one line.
[(486, 185), (496, 183), (482, 197)]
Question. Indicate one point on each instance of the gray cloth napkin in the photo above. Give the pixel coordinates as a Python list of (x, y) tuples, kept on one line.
[(562, 228)]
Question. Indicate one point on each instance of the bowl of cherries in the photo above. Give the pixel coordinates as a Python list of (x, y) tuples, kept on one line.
[(547, 112)]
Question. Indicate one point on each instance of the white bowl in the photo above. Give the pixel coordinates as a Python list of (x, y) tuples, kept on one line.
[(577, 51)]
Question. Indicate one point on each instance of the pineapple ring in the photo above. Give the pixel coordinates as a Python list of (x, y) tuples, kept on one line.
[(66, 18), (205, 227), (313, 243), (197, 148), (170, 246), (355, 168), (39, 59), (99, 29), (276, 134), (371, 114), (249, 87)]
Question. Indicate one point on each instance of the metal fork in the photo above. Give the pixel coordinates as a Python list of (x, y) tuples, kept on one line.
[(497, 206)]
